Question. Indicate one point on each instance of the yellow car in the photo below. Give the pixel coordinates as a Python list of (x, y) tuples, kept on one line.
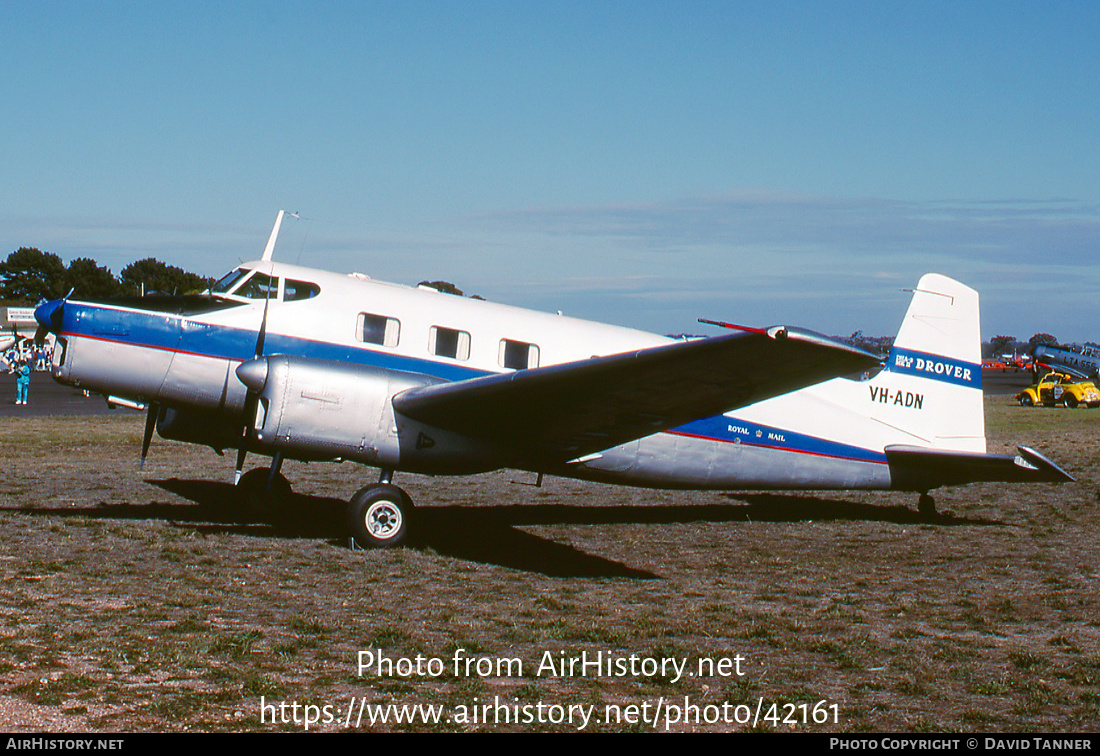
[(1059, 388)]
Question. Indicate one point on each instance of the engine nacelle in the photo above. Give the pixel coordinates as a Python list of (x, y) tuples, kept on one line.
[(314, 409)]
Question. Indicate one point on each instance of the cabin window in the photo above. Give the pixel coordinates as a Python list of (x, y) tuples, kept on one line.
[(260, 286), (378, 329), (518, 355), (294, 291), (447, 342), (229, 280)]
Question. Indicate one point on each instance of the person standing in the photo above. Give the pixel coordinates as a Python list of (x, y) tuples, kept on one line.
[(22, 382)]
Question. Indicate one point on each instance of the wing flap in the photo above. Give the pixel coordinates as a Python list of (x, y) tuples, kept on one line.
[(559, 412)]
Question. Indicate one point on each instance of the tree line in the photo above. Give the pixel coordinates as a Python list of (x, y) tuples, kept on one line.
[(995, 347), (30, 275)]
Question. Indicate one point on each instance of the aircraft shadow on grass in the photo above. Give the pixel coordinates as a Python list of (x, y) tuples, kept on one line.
[(492, 534), (797, 507)]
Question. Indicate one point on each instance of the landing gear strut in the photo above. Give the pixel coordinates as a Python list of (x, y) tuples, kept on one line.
[(379, 515)]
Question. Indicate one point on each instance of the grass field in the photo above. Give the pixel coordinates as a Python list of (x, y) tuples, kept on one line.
[(135, 601)]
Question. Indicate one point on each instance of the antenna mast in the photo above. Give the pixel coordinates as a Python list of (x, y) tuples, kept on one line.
[(270, 248)]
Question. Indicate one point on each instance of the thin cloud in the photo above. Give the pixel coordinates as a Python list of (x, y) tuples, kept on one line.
[(1060, 230)]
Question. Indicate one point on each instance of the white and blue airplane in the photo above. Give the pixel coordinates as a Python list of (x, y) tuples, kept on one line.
[(1084, 363), (291, 362)]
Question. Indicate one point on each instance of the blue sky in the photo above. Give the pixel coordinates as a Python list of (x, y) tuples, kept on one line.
[(644, 163)]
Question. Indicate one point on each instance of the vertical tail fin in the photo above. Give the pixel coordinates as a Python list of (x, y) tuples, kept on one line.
[(934, 369)]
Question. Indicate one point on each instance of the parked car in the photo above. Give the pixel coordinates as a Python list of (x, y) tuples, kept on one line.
[(1056, 388)]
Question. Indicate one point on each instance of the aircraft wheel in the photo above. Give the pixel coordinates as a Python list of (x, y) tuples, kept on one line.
[(926, 505), (255, 499), (379, 515)]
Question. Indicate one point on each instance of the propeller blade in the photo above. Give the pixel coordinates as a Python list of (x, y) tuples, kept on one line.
[(262, 336), (150, 426), (241, 454), (252, 397)]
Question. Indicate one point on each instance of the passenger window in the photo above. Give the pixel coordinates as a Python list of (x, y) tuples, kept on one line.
[(378, 329), (297, 290), (447, 342), (518, 355)]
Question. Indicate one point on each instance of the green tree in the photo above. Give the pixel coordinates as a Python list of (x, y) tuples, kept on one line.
[(448, 288), (999, 345), (873, 344), (29, 275), (90, 280), (151, 275), (444, 286), (1041, 339)]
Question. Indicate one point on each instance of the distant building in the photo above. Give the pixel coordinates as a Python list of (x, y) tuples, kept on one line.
[(19, 318)]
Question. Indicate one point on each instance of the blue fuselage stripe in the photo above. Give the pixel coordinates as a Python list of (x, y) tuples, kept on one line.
[(172, 333)]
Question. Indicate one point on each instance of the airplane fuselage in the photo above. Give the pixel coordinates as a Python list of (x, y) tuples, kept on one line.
[(182, 353)]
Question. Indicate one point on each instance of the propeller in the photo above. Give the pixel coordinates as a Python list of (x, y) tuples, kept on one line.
[(50, 316), (252, 396)]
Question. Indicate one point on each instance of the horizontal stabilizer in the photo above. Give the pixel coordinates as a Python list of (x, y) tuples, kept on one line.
[(919, 469), (559, 412)]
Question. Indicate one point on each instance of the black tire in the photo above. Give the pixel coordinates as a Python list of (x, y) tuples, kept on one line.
[(1071, 401), (926, 506), (256, 500), (379, 516), (1025, 400)]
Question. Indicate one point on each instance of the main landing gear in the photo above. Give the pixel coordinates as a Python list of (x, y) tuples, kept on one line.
[(379, 515), (264, 494)]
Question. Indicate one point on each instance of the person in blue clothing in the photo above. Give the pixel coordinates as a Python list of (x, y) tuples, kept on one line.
[(22, 382)]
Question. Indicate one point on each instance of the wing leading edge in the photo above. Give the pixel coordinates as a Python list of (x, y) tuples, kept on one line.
[(560, 412)]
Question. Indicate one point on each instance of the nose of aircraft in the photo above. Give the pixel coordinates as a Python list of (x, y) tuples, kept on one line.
[(49, 314)]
